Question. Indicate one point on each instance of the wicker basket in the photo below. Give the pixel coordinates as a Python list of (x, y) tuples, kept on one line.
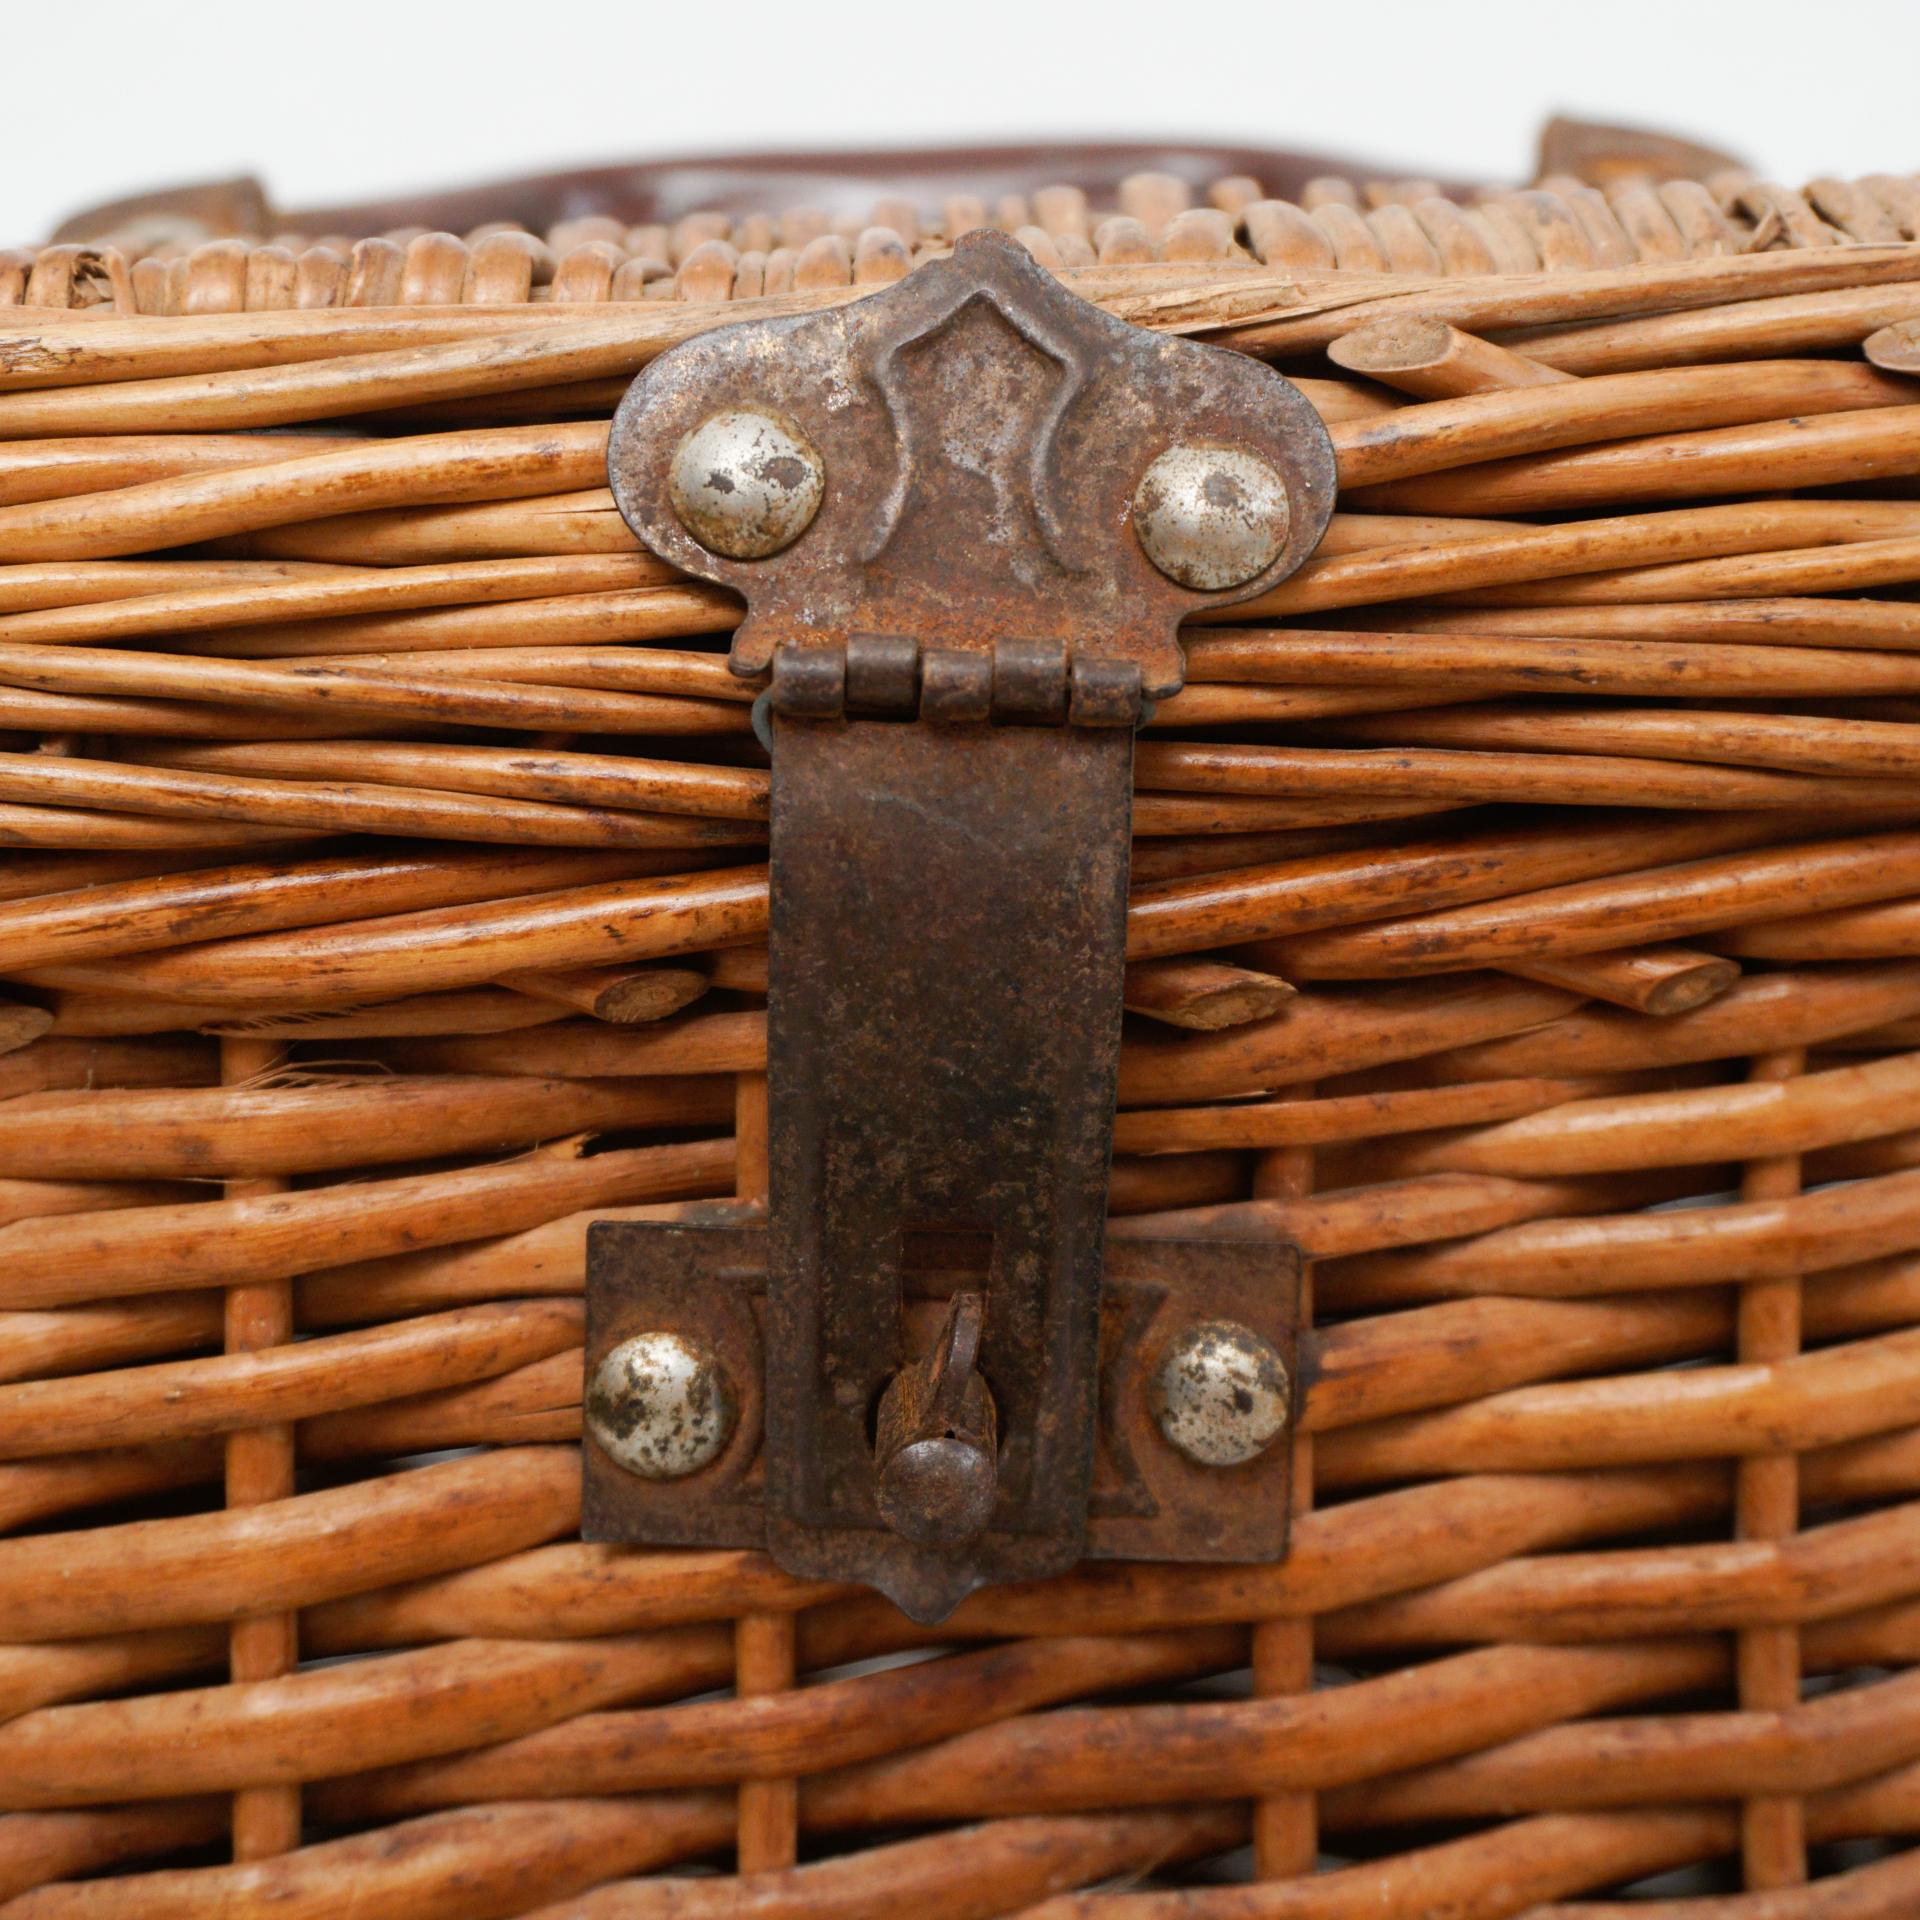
[(1525, 921)]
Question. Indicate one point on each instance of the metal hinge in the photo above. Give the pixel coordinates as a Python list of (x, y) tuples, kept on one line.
[(967, 516)]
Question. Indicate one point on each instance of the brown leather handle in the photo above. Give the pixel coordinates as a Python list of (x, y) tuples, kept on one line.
[(665, 190)]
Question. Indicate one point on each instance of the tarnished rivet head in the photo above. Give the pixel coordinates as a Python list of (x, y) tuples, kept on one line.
[(1211, 517), (661, 1404), (744, 484), (1220, 1393)]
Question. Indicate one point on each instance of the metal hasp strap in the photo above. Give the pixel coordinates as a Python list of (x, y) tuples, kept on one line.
[(967, 516)]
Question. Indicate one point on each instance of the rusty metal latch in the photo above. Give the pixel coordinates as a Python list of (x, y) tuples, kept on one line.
[(967, 516)]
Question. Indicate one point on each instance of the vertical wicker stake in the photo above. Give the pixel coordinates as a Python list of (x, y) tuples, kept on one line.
[(763, 1646), (266, 1819), (1286, 1826), (1773, 1828)]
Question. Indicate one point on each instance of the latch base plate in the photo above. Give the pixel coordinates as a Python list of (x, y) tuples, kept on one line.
[(708, 1283)]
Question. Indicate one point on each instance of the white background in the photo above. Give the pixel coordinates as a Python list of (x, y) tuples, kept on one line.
[(337, 101)]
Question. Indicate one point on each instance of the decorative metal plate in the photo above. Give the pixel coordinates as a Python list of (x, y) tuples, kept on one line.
[(983, 434), (1146, 1500), (968, 515)]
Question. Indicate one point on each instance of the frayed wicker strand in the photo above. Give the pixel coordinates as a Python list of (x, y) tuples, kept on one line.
[(1525, 919)]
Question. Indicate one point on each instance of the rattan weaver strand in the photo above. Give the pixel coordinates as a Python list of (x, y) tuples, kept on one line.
[(361, 769)]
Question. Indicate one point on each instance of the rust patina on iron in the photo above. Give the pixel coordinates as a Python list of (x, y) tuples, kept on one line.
[(968, 516), (1147, 1500), (983, 433), (951, 1069)]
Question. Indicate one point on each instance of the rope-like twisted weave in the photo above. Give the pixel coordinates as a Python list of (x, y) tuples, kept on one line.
[(1403, 227)]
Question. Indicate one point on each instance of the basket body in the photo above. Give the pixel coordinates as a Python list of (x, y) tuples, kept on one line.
[(1525, 922)]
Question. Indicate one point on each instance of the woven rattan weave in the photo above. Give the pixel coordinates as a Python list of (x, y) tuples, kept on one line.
[(1525, 919)]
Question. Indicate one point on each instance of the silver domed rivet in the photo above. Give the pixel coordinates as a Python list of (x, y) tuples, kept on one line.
[(661, 1405), (745, 485), (1220, 1394), (1211, 517)]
